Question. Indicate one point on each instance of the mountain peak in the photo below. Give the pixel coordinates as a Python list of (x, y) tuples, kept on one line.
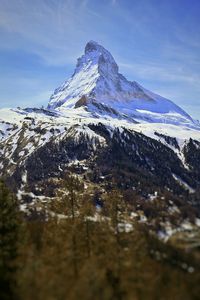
[(97, 85), (95, 71), (92, 46), (97, 54)]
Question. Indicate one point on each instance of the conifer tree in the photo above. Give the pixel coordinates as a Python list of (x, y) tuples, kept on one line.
[(87, 212), (114, 208), (9, 228), (73, 185)]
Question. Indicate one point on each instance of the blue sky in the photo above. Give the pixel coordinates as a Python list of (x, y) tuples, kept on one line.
[(155, 42)]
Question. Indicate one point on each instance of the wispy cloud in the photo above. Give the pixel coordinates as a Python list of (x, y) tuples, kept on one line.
[(114, 2), (172, 73), (54, 29)]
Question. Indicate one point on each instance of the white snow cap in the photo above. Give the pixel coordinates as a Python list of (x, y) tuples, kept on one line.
[(97, 85)]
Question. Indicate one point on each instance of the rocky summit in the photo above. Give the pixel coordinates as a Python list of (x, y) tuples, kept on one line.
[(97, 85)]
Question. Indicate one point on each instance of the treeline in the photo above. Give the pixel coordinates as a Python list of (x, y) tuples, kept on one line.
[(84, 249)]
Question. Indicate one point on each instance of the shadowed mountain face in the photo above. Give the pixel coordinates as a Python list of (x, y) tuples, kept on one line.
[(98, 86)]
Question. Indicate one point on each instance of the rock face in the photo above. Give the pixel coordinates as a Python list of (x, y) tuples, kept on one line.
[(97, 78)]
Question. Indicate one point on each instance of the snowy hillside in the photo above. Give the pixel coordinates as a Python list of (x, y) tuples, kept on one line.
[(100, 125), (13, 119), (97, 86)]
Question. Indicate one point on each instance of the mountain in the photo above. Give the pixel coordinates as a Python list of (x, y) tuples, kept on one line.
[(109, 132), (98, 86)]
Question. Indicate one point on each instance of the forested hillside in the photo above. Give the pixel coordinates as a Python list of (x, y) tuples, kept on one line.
[(84, 246)]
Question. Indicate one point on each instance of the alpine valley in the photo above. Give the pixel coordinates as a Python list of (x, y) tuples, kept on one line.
[(110, 133)]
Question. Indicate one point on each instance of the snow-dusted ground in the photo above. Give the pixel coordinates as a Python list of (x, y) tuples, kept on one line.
[(19, 137), (18, 122), (10, 118)]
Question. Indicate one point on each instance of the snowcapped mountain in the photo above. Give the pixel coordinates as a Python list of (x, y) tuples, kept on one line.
[(101, 127), (98, 87)]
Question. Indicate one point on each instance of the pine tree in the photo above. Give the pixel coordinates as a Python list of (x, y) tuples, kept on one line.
[(9, 228), (115, 208), (86, 213), (73, 185)]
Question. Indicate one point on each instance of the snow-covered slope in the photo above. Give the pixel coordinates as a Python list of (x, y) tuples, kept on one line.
[(96, 112), (30, 129), (98, 86)]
